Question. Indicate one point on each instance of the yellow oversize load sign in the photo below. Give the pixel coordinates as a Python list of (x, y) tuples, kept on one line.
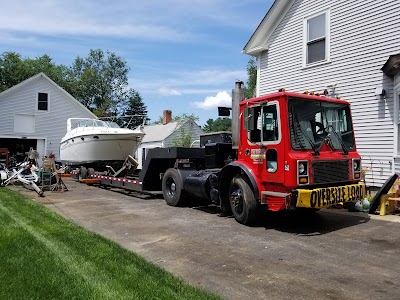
[(325, 197)]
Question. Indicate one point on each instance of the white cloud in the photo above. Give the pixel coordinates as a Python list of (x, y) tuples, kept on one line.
[(186, 83), (172, 20), (169, 92), (211, 102)]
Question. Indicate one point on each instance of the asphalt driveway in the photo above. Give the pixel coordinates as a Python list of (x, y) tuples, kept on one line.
[(331, 255)]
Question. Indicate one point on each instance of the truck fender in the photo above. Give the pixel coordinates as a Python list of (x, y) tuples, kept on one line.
[(226, 175)]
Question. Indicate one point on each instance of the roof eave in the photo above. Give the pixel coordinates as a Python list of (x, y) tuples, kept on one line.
[(257, 42), (256, 50)]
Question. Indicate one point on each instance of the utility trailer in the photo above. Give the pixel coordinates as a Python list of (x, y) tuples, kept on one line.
[(287, 151)]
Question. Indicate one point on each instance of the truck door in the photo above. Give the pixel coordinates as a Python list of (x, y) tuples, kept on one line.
[(271, 137)]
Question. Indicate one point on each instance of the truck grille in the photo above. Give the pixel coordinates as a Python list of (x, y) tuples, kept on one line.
[(330, 171)]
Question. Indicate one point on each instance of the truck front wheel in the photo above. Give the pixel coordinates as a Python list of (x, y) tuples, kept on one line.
[(242, 201), (172, 188)]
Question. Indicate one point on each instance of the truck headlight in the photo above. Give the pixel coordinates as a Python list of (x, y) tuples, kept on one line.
[(356, 165), (356, 169), (302, 172), (302, 168)]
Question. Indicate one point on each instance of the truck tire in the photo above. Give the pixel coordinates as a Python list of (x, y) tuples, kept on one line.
[(243, 203), (172, 188)]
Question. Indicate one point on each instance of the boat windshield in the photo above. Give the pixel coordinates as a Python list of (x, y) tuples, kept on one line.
[(313, 122), (94, 123), (112, 124)]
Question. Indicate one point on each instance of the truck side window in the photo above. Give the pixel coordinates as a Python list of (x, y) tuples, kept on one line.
[(255, 134), (272, 160), (270, 124)]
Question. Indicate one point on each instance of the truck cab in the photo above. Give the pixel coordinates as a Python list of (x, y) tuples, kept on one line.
[(295, 151)]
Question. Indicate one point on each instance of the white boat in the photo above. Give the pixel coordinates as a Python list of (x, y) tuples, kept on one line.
[(96, 143)]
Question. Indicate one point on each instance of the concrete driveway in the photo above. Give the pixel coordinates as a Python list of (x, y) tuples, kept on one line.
[(331, 255)]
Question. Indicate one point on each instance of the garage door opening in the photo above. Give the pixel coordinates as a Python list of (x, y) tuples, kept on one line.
[(18, 148)]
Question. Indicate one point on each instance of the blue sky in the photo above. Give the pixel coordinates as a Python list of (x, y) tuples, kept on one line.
[(184, 55)]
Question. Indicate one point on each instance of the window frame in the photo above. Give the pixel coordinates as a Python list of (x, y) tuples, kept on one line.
[(327, 38), (48, 102), (279, 120)]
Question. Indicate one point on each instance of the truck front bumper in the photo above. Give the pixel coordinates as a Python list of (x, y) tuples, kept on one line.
[(326, 197)]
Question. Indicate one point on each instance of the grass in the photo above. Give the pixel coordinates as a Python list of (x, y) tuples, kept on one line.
[(43, 256)]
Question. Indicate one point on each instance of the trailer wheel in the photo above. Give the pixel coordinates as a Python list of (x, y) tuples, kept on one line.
[(90, 172), (242, 201), (83, 173), (172, 188)]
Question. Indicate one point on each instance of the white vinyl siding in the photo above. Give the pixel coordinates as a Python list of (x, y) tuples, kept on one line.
[(362, 37)]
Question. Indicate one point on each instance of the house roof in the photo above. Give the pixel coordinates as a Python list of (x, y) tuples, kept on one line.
[(44, 76), (257, 42), (159, 132)]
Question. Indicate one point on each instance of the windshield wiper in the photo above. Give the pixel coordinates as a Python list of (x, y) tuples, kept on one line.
[(314, 148), (345, 151)]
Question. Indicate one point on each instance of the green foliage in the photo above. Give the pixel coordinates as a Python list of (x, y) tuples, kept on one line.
[(14, 69), (100, 82), (219, 124), (44, 256), (251, 79), (185, 138), (133, 106), (178, 118)]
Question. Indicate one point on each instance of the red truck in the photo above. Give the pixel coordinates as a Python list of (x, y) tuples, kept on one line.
[(287, 151)]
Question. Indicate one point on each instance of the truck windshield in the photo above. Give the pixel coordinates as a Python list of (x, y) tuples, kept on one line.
[(314, 122)]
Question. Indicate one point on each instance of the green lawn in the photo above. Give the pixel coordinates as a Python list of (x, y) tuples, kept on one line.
[(43, 256)]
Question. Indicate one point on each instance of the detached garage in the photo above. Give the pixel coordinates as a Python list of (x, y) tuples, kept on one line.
[(33, 114)]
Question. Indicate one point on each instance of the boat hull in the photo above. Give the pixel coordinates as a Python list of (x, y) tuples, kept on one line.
[(98, 150)]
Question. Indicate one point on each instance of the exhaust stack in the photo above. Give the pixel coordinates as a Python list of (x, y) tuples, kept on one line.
[(237, 97)]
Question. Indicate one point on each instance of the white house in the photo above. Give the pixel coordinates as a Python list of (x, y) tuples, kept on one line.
[(163, 135), (34, 115), (309, 45)]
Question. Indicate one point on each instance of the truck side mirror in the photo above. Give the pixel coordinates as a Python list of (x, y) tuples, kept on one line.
[(249, 118), (224, 111)]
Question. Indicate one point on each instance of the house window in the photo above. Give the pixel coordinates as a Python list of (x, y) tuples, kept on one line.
[(43, 101), (317, 38)]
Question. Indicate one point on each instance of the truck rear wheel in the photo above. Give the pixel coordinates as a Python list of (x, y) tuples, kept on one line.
[(242, 201), (172, 188)]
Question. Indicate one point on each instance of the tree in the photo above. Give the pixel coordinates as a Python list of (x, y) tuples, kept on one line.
[(100, 82), (14, 69), (135, 108), (251, 79), (181, 117), (184, 139), (219, 124)]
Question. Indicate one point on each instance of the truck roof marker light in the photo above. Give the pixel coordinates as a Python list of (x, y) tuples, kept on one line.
[(282, 90), (338, 97), (306, 92), (312, 93)]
